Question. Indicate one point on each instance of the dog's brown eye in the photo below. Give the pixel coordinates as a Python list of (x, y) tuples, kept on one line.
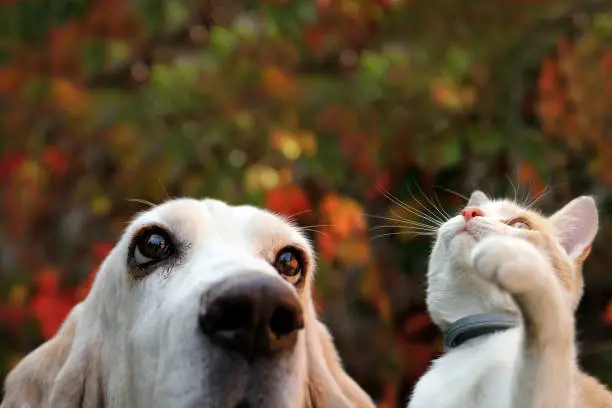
[(289, 264), (151, 246)]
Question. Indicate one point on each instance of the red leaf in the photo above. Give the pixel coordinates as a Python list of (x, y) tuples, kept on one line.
[(12, 316), (83, 289), (287, 200), (55, 160), (47, 280), (10, 162), (50, 311), (381, 183), (100, 250)]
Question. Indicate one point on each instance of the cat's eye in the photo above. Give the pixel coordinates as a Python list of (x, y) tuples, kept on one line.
[(518, 223)]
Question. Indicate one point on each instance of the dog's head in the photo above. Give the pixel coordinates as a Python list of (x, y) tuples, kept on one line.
[(200, 304)]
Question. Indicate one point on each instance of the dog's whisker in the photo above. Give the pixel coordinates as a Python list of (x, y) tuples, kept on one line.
[(163, 189), (316, 226), (297, 214), (316, 231), (141, 201)]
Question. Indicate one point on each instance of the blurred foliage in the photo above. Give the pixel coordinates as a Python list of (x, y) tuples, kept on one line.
[(315, 109)]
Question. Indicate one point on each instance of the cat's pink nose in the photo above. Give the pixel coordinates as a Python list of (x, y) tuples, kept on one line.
[(471, 212)]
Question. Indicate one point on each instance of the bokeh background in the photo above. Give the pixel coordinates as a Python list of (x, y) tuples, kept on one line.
[(318, 109)]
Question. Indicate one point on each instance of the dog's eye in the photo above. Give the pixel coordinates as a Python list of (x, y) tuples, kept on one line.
[(151, 246), (289, 264)]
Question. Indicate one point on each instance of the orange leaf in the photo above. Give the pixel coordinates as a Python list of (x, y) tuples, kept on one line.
[(278, 83), (345, 215), (69, 97), (607, 314), (326, 245), (11, 79)]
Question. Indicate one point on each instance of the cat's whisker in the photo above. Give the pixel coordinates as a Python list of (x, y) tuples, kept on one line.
[(409, 209), (417, 234), (513, 186), (431, 222), (429, 211), (538, 197), (453, 192), (403, 205), (447, 215), (443, 215), (416, 227), (404, 221)]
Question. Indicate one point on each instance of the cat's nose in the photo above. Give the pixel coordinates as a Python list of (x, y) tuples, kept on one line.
[(471, 212)]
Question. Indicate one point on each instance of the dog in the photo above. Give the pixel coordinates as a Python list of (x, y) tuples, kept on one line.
[(199, 304)]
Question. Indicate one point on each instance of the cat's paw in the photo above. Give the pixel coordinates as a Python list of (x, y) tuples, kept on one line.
[(512, 263)]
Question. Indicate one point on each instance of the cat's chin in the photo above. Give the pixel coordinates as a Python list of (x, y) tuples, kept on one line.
[(460, 246)]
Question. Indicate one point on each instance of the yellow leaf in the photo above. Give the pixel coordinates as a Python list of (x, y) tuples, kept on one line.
[(100, 205), (18, 295), (291, 149), (261, 177), (308, 142)]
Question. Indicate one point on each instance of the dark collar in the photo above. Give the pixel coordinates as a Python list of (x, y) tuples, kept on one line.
[(477, 325)]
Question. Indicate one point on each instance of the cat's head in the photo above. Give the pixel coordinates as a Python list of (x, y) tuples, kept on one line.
[(565, 238)]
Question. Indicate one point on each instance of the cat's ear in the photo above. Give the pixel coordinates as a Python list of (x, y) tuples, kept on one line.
[(477, 198), (576, 225)]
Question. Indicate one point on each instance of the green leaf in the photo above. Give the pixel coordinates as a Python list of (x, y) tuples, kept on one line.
[(223, 40), (94, 56), (153, 15), (602, 24), (487, 141), (450, 151)]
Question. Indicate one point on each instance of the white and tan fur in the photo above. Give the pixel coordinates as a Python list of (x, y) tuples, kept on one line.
[(134, 343), (511, 260)]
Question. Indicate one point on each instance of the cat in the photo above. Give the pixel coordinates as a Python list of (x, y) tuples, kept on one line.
[(500, 257)]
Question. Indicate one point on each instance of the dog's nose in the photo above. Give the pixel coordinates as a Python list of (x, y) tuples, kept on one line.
[(254, 315)]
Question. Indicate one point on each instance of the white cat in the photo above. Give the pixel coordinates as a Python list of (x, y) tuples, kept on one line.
[(499, 257)]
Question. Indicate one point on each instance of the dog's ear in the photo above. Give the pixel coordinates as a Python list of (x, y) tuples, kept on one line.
[(330, 386), (64, 372)]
